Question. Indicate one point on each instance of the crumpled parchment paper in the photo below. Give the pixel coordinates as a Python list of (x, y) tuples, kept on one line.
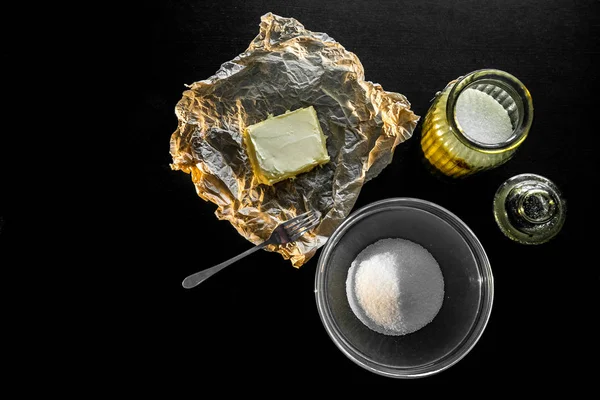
[(287, 67)]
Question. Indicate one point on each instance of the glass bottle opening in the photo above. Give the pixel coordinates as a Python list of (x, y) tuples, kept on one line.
[(529, 209), (490, 110)]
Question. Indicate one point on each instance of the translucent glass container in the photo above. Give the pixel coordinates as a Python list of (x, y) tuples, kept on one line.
[(468, 288), (446, 146), (529, 209)]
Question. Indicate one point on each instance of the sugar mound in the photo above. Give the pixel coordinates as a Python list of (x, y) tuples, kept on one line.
[(482, 118), (395, 287)]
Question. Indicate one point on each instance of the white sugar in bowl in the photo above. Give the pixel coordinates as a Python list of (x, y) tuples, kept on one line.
[(468, 290)]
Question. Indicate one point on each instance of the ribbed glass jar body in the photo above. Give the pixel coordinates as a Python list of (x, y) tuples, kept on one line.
[(454, 153)]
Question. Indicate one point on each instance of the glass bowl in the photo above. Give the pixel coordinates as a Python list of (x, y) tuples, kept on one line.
[(468, 288)]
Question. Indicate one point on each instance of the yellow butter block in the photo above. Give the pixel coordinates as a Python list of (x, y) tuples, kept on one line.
[(284, 146)]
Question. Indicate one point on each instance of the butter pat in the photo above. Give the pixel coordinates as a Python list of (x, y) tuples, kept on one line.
[(284, 146)]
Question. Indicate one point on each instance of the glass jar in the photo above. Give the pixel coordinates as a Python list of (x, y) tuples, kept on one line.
[(454, 153), (529, 209)]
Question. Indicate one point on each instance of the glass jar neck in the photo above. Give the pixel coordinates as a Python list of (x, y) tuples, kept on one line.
[(509, 92)]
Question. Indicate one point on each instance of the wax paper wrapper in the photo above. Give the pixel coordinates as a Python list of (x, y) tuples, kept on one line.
[(287, 67)]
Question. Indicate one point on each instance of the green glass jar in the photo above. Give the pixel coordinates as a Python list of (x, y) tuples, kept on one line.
[(450, 149)]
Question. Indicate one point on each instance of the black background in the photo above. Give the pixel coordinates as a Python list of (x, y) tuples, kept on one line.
[(257, 320)]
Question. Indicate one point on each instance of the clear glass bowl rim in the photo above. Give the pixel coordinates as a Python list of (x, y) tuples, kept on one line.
[(485, 275)]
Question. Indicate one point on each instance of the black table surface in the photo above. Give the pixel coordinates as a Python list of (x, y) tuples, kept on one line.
[(258, 319)]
